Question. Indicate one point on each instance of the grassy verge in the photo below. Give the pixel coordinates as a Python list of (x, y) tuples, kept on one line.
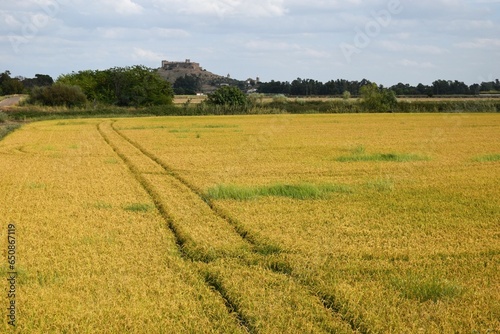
[(3, 117), (340, 106), (273, 107)]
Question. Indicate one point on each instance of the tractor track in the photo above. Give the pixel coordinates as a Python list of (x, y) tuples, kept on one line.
[(259, 246), (239, 228), (180, 240)]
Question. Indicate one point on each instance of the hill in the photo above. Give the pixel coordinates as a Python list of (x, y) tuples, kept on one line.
[(208, 81)]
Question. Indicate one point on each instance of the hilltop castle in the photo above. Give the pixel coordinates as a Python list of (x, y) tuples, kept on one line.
[(187, 65), (209, 82)]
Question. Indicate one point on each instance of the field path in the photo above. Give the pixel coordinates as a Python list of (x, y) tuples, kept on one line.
[(10, 101), (228, 256)]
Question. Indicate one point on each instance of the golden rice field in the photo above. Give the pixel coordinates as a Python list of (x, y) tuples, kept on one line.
[(366, 223)]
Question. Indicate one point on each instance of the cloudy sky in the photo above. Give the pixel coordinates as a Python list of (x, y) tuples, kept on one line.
[(386, 41)]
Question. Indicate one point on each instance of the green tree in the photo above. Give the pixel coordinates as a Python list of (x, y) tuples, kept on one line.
[(89, 81), (10, 85), (187, 84), (124, 86), (40, 80), (227, 96), (377, 99)]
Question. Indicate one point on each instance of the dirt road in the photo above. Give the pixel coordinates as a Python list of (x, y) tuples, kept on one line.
[(10, 101)]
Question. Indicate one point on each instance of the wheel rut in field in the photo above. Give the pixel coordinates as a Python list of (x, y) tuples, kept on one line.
[(259, 245), (180, 237), (204, 231)]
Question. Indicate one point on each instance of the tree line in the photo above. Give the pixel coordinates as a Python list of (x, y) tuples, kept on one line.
[(142, 86), (310, 87), (122, 86), (20, 85)]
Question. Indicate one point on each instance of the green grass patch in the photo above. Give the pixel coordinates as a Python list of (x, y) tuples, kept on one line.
[(396, 157), (21, 273), (102, 205), (111, 161), (138, 207), (179, 130), (219, 126), (426, 288), (232, 192), (359, 154), (48, 278), (296, 191), (72, 123), (48, 148), (488, 158), (36, 185)]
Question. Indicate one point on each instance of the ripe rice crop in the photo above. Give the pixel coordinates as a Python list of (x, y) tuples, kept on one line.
[(89, 259), (256, 224)]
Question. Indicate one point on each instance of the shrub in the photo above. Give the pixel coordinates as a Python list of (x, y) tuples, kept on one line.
[(227, 96), (255, 99), (58, 95), (280, 98), (3, 117), (377, 100)]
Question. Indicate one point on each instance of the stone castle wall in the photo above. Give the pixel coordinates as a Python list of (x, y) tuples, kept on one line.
[(187, 64)]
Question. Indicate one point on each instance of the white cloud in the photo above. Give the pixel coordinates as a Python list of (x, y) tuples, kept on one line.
[(167, 33), (416, 64), (279, 38), (9, 21), (328, 4), (265, 45), (124, 7), (480, 43), (413, 48), (103, 7), (134, 34), (147, 55), (225, 8), (270, 46)]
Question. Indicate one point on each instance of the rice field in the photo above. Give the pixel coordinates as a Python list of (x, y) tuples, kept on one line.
[(365, 223)]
